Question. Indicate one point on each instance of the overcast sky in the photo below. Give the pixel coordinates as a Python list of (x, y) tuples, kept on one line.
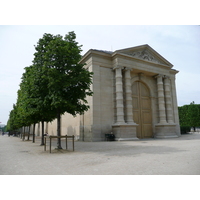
[(180, 45)]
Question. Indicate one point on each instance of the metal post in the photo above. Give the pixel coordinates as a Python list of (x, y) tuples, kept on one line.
[(50, 144), (66, 141)]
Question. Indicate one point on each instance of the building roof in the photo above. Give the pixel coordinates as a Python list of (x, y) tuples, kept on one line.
[(142, 52), (104, 51)]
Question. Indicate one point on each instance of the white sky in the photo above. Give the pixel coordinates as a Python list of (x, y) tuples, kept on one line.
[(180, 45)]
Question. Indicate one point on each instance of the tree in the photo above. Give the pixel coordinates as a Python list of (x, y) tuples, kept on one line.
[(3, 128), (35, 93), (28, 102), (66, 81), (183, 116), (189, 115), (193, 115), (54, 84), (13, 121)]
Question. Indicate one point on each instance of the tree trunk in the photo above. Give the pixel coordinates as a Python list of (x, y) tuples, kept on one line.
[(29, 129), (34, 133), (24, 133), (42, 138), (58, 132), (21, 132)]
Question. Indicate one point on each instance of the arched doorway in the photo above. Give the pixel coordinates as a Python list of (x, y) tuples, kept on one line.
[(142, 114)]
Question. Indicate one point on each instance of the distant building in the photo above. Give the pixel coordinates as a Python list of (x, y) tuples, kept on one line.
[(134, 97)]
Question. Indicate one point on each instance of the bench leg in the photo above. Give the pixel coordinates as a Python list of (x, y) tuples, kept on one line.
[(45, 144)]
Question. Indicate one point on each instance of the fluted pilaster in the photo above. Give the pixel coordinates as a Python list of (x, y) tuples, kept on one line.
[(128, 92), (168, 100), (119, 95), (161, 100)]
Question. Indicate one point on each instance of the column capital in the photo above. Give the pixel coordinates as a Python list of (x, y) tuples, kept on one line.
[(118, 67), (166, 80), (166, 77), (128, 97), (127, 68), (161, 99), (127, 71), (159, 76)]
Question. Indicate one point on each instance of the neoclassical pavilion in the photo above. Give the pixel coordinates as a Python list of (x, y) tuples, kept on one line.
[(134, 97)]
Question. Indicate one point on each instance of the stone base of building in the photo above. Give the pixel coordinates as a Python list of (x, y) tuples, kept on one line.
[(166, 131), (124, 132)]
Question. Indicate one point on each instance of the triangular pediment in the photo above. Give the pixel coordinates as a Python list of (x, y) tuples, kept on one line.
[(146, 53)]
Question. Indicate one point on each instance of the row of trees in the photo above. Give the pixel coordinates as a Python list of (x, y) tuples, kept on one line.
[(189, 115), (55, 83)]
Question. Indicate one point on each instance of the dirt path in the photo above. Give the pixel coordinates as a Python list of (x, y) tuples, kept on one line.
[(151, 157)]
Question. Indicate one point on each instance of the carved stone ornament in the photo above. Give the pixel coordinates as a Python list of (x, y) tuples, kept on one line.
[(144, 55)]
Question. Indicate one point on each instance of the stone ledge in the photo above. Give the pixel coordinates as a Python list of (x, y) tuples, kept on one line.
[(166, 137), (124, 132), (166, 131), (126, 139), (165, 125)]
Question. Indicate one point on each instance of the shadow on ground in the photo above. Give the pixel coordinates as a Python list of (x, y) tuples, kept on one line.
[(122, 148)]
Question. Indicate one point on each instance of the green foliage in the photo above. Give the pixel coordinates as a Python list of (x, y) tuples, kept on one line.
[(64, 81), (68, 81), (183, 115), (12, 123), (54, 84), (189, 115), (4, 129), (193, 115)]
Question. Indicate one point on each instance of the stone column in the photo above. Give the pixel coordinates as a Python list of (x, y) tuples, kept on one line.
[(119, 95), (161, 100), (174, 101), (129, 106), (168, 100)]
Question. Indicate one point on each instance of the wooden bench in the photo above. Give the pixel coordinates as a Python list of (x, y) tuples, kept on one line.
[(50, 137), (110, 137)]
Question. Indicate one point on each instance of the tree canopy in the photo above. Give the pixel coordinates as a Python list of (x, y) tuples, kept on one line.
[(189, 115), (55, 83)]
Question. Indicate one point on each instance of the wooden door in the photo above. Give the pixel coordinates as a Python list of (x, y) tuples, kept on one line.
[(142, 114)]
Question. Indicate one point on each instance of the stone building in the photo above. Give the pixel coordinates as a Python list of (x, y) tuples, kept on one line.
[(134, 97)]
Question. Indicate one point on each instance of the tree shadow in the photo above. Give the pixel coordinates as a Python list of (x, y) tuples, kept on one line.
[(131, 148)]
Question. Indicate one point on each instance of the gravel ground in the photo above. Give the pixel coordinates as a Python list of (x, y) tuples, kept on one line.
[(176, 156)]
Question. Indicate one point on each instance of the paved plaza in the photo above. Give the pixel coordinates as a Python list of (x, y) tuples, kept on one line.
[(175, 156)]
